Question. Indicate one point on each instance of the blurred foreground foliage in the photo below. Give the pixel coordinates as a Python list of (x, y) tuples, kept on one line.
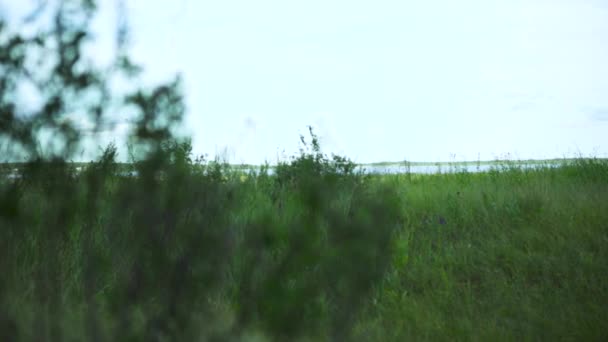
[(177, 248)]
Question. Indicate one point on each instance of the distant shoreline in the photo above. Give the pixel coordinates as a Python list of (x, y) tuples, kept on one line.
[(479, 162), (380, 164)]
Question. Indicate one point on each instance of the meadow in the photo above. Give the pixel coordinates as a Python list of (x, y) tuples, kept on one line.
[(199, 250), (174, 247)]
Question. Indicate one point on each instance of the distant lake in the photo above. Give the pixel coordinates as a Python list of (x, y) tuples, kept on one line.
[(400, 168), (449, 168), (433, 168)]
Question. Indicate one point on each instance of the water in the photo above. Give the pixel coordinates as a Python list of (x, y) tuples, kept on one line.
[(431, 168), (436, 168), (391, 169), (452, 168)]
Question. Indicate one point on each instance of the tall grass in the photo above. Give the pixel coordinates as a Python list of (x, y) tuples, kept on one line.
[(503, 255), (171, 247), (185, 251), (315, 251)]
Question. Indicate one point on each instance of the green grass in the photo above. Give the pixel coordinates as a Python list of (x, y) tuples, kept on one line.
[(506, 255), (310, 249), (313, 252)]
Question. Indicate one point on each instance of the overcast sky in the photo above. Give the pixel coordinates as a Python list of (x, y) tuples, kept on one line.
[(382, 80)]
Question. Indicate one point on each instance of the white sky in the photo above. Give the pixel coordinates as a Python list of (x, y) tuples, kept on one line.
[(382, 80)]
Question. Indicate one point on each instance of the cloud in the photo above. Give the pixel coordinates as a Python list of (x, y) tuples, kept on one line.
[(525, 101), (523, 106), (599, 114), (250, 123)]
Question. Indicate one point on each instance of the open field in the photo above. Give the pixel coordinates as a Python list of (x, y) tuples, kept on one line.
[(174, 247), (315, 251), (500, 256)]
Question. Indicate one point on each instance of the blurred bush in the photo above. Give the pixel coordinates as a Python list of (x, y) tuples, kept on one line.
[(169, 246)]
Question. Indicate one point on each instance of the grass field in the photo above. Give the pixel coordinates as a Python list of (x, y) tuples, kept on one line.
[(169, 247), (314, 252), (511, 255)]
